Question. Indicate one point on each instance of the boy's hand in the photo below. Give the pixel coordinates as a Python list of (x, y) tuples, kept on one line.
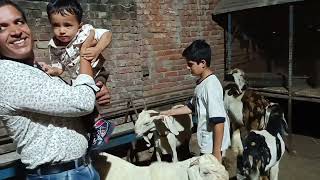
[(103, 96), (218, 156), (167, 113)]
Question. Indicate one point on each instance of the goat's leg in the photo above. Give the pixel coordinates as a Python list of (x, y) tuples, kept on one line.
[(158, 151), (173, 145), (157, 144), (236, 143), (274, 171)]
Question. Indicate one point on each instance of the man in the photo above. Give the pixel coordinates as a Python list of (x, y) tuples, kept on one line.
[(36, 108)]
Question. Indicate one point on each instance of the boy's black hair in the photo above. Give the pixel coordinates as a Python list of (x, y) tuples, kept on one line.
[(197, 51), (63, 7), (8, 2)]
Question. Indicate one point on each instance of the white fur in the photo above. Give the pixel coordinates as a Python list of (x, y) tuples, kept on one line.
[(234, 107), (169, 132), (236, 145), (197, 168)]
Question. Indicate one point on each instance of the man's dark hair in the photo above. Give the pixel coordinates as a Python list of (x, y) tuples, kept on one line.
[(197, 51), (8, 2), (63, 7)]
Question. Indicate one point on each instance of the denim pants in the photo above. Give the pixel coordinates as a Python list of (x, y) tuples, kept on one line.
[(85, 172)]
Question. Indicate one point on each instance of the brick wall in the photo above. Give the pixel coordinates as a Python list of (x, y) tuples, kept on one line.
[(144, 58)]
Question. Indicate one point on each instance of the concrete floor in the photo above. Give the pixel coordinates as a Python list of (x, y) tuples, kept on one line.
[(304, 164)]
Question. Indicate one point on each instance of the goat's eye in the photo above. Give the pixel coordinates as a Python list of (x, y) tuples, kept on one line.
[(146, 123)]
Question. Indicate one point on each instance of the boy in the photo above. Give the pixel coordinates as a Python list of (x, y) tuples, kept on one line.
[(69, 32), (207, 102)]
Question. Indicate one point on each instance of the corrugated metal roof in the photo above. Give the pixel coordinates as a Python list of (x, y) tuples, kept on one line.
[(225, 6)]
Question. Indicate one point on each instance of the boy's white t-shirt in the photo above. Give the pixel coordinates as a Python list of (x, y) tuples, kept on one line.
[(69, 56), (208, 103)]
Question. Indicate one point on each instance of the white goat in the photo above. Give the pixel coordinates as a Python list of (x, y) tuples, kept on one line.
[(233, 93), (205, 167), (169, 132)]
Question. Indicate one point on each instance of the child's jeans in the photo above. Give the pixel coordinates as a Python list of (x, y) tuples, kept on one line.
[(84, 172)]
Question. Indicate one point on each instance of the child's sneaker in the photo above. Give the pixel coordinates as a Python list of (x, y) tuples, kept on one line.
[(101, 133)]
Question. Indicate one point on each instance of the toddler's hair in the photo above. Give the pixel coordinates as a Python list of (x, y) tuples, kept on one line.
[(63, 7)]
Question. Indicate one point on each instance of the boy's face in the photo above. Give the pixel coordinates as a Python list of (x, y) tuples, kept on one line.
[(195, 68), (65, 27)]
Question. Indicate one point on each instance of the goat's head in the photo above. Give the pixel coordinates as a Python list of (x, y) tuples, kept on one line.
[(145, 122), (210, 168), (275, 121), (237, 76), (256, 156)]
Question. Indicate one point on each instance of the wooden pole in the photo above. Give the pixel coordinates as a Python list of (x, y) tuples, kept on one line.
[(290, 61)]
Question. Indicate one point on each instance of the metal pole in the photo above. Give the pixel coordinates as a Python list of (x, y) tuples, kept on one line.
[(290, 58), (229, 48)]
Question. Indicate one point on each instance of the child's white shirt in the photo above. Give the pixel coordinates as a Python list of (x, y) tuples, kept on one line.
[(68, 57), (208, 103)]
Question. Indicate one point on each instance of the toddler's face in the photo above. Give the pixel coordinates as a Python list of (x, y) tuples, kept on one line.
[(64, 27)]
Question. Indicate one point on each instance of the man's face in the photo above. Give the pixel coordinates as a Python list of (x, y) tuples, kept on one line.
[(15, 36), (65, 28)]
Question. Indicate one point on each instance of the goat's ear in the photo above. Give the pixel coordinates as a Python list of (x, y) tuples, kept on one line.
[(147, 139), (152, 112), (172, 125), (153, 118)]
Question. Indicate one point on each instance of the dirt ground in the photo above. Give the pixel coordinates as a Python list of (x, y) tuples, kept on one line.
[(303, 163)]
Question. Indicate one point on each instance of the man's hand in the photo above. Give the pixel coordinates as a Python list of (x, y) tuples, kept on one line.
[(86, 51), (103, 96), (53, 71), (91, 53)]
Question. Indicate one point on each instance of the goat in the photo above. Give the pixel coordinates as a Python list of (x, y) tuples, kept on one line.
[(249, 111), (169, 132), (205, 167), (245, 108), (263, 149), (233, 93)]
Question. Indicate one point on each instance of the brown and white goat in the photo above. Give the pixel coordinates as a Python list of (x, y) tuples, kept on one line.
[(263, 149), (248, 111)]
